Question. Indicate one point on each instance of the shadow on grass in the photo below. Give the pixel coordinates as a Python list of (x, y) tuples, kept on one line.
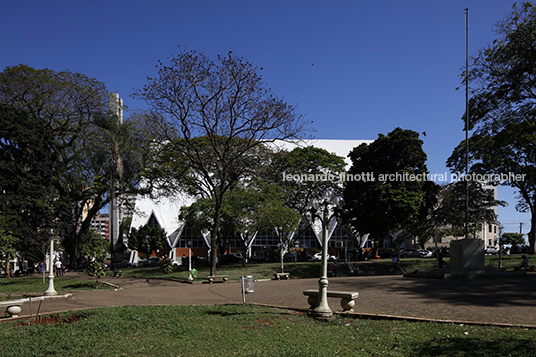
[(83, 285), (484, 292), (458, 346)]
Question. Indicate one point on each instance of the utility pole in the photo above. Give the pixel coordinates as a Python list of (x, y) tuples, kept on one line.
[(116, 111), (466, 123)]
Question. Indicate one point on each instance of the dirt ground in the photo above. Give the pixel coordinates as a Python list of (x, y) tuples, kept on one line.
[(504, 300)]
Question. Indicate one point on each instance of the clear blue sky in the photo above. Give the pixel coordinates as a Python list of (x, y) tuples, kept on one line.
[(355, 68)]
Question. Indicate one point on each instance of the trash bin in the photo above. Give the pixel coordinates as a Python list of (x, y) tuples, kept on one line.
[(247, 286)]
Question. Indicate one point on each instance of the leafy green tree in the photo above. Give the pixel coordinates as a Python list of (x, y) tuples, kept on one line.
[(122, 148), (250, 207), (513, 238), (502, 110), (259, 206), (305, 162), (387, 198), (450, 212), (94, 269), (7, 245), (147, 238), (27, 165), (63, 108), (96, 247), (283, 220), (212, 117), (61, 105), (302, 174)]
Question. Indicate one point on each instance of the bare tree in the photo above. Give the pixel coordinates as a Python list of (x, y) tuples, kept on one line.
[(213, 117)]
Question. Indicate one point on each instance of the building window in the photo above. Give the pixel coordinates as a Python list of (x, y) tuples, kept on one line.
[(189, 235)]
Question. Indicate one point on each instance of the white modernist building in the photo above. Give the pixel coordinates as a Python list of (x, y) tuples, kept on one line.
[(165, 213)]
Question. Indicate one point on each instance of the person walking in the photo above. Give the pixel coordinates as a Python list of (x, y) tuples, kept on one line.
[(57, 265)]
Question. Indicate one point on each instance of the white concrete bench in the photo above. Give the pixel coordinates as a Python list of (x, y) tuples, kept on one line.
[(211, 278), (13, 306), (278, 276), (347, 298)]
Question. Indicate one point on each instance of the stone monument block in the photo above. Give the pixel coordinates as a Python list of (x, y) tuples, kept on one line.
[(467, 254)]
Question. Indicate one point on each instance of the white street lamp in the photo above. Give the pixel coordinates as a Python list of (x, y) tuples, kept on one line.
[(321, 210), (50, 290), (190, 277)]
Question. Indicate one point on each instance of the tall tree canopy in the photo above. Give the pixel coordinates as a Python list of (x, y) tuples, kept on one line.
[(304, 173), (26, 174), (148, 238), (502, 110), (68, 145), (381, 195), (212, 117), (450, 211), (513, 238)]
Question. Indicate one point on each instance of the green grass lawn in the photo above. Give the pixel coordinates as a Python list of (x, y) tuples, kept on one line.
[(234, 271), (246, 330), (13, 288), (250, 330), (307, 269)]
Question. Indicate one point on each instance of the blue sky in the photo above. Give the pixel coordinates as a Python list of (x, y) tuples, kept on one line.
[(354, 68)]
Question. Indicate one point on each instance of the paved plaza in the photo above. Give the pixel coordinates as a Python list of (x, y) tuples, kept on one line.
[(510, 300)]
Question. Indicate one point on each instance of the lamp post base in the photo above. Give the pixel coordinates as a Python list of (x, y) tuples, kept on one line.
[(322, 310), (50, 290), (322, 313)]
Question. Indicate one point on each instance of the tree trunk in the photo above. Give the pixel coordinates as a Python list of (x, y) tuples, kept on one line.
[(8, 268), (214, 239), (532, 233), (374, 251)]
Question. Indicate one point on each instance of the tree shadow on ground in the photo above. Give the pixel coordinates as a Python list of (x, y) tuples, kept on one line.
[(467, 346), (489, 292)]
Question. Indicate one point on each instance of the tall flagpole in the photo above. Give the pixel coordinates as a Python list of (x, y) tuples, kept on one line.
[(466, 123)]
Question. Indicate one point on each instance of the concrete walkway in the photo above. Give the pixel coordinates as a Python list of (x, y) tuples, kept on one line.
[(501, 300)]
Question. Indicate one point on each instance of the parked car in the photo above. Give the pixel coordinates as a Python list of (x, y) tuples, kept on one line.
[(386, 253), (425, 253), (298, 256), (290, 257), (318, 257), (120, 263), (410, 253), (519, 249), (153, 261), (490, 249), (233, 258)]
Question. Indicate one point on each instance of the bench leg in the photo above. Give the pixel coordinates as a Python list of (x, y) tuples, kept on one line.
[(312, 301), (210, 280), (347, 305), (225, 280)]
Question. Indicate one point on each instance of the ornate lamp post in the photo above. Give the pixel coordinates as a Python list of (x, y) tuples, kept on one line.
[(50, 290), (325, 210)]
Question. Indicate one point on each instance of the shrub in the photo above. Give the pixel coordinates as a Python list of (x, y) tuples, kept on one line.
[(94, 269), (166, 266)]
